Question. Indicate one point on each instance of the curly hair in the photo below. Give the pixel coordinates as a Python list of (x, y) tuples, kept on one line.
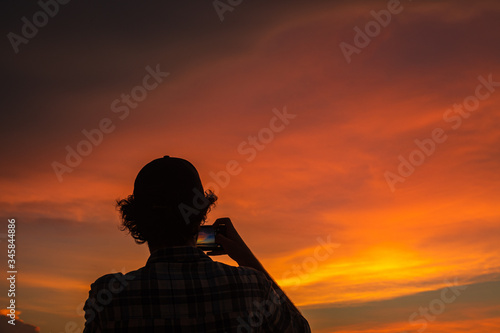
[(172, 222)]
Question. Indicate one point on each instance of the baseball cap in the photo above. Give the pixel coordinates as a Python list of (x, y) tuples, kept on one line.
[(167, 180)]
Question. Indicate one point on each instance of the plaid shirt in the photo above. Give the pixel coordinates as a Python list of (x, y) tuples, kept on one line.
[(181, 289)]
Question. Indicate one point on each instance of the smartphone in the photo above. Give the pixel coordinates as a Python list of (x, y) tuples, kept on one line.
[(206, 237)]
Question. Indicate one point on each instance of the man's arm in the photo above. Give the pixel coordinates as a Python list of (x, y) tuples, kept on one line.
[(91, 315), (236, 248)]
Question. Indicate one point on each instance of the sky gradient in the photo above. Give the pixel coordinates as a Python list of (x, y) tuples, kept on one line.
[(301, 143)]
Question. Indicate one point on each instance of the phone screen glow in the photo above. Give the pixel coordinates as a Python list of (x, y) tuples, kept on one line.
[(206, 236)]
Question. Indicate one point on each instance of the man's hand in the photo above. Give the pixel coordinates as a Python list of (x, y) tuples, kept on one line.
[(234, 246)]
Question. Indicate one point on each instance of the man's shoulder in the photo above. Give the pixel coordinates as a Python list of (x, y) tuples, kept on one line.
[(242, 271), (108, 280)]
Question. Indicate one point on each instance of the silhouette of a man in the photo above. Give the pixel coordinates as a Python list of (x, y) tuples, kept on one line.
[(181, 289)]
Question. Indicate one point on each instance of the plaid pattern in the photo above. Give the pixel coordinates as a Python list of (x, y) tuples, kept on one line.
[(181, 289)]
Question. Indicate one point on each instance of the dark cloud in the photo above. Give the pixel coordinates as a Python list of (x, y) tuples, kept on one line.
[(19, 327), (465, 235), (481, 296)]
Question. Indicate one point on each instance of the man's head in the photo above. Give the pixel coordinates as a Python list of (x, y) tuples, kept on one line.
[(168, 204)]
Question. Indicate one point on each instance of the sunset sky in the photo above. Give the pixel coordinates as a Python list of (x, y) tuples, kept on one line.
[(364, 180)]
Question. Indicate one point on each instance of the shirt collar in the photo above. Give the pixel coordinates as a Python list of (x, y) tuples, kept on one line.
[(178, 254)]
